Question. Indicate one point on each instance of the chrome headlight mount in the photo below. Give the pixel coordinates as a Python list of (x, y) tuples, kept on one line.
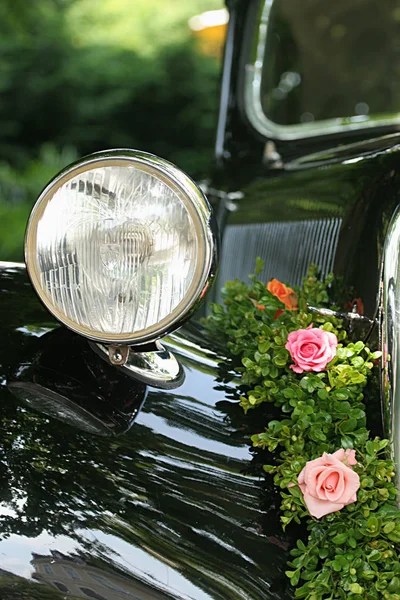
[(121, 248)]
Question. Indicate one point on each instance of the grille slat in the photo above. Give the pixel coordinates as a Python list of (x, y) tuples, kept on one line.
[(288, 249)]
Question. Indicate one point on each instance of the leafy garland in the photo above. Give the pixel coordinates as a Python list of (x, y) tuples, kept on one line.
[(352, 553)]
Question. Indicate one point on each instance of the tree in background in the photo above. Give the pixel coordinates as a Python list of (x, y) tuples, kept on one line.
[(73, 81)]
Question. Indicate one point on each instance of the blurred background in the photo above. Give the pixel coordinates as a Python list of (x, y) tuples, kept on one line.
[(78, 76)]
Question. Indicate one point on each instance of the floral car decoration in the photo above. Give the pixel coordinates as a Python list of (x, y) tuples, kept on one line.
[(333, 475)]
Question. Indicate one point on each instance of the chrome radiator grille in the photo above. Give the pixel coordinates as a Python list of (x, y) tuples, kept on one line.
[(288, 249)]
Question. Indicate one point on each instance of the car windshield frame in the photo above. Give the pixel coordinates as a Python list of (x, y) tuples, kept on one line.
[(252, 84)]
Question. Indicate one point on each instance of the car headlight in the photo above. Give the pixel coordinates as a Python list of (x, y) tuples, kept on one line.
[(120, 247)]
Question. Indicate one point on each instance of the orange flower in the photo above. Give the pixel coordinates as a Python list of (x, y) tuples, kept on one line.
[(260, 306), (285, 294), (356, 304)]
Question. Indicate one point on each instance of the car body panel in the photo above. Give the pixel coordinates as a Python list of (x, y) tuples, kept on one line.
[(334, 212), (168, 509)]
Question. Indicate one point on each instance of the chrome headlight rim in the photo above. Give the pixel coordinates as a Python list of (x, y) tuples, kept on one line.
[(195, 203)]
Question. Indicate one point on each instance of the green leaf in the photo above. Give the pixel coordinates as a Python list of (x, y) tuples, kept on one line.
[(316, 434), (380, 444), (281, 358), (294, 576), (295, 491), (300, 545), (342, 394), (370, 448), (259, 265), (394, 585), (340, 539), (349, 425), (339, 563), (246, 362), (263, 347), (273, 372), (323, 394), (355, 588), (374, 556), (359, 346)]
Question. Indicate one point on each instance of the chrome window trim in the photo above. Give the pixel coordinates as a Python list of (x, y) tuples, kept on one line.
[(271, 130)]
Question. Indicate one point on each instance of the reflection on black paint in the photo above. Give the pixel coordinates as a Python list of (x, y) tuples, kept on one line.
[(176, 486), (68, 381)]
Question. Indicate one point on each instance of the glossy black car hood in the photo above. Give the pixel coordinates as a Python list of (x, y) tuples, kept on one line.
[(172, 506)]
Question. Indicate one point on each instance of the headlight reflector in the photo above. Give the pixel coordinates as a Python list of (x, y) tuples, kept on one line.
[(119, 246)]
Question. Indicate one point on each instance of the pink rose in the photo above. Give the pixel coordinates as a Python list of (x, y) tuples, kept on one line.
[(311, 349), (329, 483)]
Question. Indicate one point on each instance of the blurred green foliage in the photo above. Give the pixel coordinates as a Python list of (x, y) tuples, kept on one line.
[(78, 76), (13, 587)]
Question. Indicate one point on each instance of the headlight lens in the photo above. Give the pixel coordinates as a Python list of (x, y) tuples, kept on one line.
[(119, 246)]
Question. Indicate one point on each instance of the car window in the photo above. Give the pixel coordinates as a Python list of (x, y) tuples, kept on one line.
[(332, 63)]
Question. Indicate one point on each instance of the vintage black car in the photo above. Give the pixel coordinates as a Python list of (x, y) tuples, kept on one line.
[(306, 171)]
